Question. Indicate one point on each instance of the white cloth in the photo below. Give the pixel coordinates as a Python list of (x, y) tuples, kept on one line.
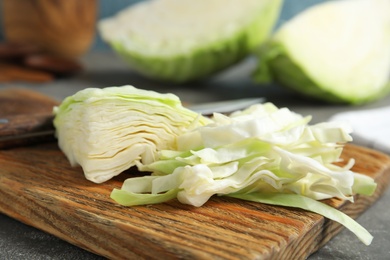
[(371, 128)]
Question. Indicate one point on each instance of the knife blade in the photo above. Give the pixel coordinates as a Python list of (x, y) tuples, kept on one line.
[(27, 129), (226, 106)]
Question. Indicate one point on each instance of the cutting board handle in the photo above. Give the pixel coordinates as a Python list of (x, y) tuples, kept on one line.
[(25, 124), (21, 130), (26, 117)]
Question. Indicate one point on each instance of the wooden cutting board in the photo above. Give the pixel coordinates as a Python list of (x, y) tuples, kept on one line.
[(38, 187)]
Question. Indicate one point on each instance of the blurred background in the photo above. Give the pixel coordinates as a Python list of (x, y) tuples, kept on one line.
[(108, 8), (109, 71)]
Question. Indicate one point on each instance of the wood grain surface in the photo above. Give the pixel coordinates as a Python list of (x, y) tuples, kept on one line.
[(39, 188)]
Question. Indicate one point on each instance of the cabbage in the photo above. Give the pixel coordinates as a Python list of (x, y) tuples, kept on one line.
[(337, 51), (185, 40), (254, 154), (298, 201), (109, 130)]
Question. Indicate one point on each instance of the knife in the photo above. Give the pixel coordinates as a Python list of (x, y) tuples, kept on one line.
[(20, 130), (226, 106)]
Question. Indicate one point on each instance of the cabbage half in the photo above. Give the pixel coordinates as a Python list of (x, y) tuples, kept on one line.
[(184, 40), (337, 51), (262, 154), (107, 131)]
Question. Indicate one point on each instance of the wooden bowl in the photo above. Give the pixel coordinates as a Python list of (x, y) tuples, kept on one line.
[(61, 27)]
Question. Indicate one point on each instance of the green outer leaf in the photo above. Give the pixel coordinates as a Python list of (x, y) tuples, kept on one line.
[(127, 198), (298, 201), (208, 59), (263, 73)]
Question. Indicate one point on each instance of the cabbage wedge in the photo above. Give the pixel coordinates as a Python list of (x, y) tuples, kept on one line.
[(109, 130), (180, 41), (336, 51)]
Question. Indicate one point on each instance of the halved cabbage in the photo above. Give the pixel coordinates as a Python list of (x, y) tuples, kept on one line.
[(107, 131), (184, 40), (338, 51)]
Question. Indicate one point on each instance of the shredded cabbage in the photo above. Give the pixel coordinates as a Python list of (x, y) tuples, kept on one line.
[(250, 154), (298, 201)]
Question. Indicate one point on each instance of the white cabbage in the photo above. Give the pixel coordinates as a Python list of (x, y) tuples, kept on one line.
[(109, 130), (184, 40), (337, 51)]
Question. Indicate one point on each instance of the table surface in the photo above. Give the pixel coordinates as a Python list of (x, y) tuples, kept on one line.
[(103, 69)]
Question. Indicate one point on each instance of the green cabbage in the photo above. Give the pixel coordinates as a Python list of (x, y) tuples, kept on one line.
[(109, 130), (186, 40), (255, 154), (337, 51)]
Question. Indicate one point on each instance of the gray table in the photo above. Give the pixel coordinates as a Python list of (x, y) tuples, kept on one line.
[(18, 241)]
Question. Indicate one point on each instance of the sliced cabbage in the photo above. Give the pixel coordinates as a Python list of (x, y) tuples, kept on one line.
[(109, 130), (337, 51), (249, 154), (184, 40), (298, 201)]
